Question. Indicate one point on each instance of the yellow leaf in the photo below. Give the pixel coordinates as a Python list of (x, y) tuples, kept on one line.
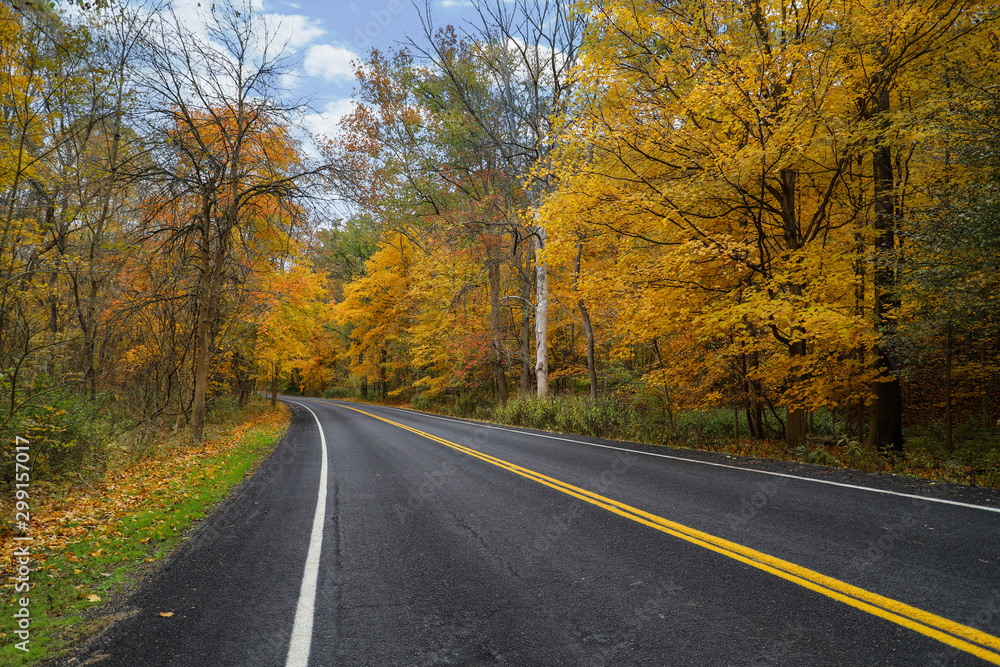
[(94, 598), (166, 614)]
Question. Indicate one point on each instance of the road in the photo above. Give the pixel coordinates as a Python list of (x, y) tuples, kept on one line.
[(433, 541)]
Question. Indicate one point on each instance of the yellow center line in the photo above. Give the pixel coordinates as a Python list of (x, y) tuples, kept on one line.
[(954, 634)]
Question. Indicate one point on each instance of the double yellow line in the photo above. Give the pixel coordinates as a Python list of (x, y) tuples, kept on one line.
[(962, 637)]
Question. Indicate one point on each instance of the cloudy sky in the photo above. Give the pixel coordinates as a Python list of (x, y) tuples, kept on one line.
[(327, 35)]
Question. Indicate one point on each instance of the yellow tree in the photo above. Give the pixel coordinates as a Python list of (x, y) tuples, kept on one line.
[(377, 309), (748, 157), (417, 161), (717, 137), (295, 305)]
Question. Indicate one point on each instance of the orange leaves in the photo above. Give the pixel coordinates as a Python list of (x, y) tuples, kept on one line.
[(716, 177), (65, 519)]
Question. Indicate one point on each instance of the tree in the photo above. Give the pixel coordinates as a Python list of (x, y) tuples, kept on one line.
[(751, 162), (412, 156), (948, 283), (377, 309), (230, 168), (527, 50), (715, 159)]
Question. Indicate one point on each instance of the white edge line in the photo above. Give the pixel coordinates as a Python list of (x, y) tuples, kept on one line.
[(707, 463), (302, 628)]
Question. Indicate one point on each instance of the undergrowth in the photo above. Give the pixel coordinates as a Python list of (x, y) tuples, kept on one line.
[(975, 459)]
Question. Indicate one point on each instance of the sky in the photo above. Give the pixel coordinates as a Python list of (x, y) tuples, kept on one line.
[(327, 35)]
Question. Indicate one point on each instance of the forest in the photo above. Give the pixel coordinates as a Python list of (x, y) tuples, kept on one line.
[(772, 224)]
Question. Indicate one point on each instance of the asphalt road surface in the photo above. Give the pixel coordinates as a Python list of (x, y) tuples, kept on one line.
[(430, 541)]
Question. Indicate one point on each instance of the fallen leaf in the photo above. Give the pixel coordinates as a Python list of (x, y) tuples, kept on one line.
[(94, 598), (166, 614)]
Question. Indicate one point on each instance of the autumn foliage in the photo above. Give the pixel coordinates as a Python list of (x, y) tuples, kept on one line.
[(784, 210), (779, 208)]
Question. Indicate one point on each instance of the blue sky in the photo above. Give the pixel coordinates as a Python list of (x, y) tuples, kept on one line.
[(327, 35)]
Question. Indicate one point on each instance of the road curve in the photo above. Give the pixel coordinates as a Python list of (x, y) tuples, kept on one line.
[(446, 542)]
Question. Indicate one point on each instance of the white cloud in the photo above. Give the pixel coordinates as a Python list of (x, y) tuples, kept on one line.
[(293, 30), (290, 80), (325, 123), (296, 29), (330, 62), (449, 4)]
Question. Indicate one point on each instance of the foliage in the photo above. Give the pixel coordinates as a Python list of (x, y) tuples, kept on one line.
[(737, 227), (68, 433)]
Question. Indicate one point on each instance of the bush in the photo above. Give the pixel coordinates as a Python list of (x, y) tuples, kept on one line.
[(423, 402), (340, 392), (66, 430), (601, 418)]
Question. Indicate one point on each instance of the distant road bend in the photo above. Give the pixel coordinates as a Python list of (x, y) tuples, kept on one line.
[(380, 536)]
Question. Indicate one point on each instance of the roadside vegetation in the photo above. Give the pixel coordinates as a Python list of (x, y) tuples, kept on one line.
[(97, 531), (973, 460), (779, 238)]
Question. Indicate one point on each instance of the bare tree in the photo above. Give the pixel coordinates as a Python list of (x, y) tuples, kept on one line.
[(527, 49), (224, 154)]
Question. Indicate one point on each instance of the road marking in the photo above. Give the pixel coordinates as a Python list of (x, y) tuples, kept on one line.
[(706, 463), (962, 637), (302, 629)]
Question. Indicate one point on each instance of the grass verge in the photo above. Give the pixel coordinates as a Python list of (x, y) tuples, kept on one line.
[(93, 541)]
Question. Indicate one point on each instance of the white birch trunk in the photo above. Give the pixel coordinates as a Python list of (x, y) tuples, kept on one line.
[(541, 315)]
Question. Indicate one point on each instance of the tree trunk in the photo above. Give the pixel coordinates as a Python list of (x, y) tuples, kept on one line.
[(203, 341), (202, 353), (591, 365), (541, 316), (753, 391), (524, 387), (795, 427), (985, 389), (383, 381), (585, 318), (209, 288), (88, 320), (499, 359), (274, 386), (886, 430), (949, 435)]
